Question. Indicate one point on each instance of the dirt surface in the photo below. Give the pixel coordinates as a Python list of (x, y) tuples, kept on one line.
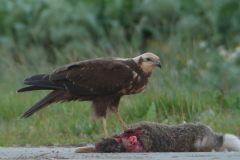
[(67, 152)]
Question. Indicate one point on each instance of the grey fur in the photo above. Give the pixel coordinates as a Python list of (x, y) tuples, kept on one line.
[(187, 137), (156, 137)]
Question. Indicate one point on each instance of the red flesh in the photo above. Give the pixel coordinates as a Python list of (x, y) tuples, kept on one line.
[(133, 138)]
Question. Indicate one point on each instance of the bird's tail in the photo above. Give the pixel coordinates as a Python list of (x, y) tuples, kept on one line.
[(54, 96), (40, 82), (230, 143)]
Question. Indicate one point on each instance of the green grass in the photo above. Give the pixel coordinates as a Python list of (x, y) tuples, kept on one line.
[(171, 97), (198, 81)]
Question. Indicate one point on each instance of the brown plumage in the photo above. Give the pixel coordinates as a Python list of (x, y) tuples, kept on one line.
[(103, 81), (155, 137)]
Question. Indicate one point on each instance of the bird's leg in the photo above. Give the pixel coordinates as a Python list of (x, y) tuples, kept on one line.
[(105, 126), (120, 119)]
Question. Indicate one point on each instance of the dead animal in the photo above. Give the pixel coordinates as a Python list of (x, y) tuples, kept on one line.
[(155, 137)]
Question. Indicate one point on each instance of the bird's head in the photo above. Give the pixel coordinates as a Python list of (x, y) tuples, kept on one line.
[(148, 61)]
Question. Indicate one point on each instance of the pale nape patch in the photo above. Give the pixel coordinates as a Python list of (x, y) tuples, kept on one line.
[(150, 55), (230, 143), (145, 55)]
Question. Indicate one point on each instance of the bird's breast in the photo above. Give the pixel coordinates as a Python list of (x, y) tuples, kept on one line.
[(138, 85), (138, 90)]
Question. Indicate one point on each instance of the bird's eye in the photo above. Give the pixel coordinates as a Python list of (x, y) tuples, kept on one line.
[(148, 59)]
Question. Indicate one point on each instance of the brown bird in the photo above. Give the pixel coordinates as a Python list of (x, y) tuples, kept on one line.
[(103, 81)]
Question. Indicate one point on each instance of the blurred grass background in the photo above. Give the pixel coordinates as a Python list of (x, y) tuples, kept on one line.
[(198, 42)]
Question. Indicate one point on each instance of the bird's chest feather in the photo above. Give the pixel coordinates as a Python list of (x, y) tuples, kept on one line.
[(138, 85)]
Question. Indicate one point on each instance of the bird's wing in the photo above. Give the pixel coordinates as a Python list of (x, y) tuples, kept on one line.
[(99, 76)]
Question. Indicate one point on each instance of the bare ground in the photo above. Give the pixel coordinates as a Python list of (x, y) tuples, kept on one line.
[(58, 151)]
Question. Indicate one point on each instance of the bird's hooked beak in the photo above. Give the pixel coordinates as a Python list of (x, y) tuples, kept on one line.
[(158, 64)]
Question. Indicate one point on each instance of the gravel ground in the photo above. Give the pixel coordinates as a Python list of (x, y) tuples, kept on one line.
[(53, 152)]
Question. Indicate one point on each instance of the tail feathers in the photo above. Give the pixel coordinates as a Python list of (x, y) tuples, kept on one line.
[(37, 77), (40, 82), (230, 143), (54, 96), (45, 84), (32, 88)]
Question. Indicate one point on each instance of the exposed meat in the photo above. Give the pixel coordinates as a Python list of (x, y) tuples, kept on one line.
[(155, 137)]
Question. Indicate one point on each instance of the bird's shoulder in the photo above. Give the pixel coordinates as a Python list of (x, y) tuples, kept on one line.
[(103, 75), (91, 66)]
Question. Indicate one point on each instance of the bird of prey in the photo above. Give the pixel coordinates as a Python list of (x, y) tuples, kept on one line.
[(103, 81)]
